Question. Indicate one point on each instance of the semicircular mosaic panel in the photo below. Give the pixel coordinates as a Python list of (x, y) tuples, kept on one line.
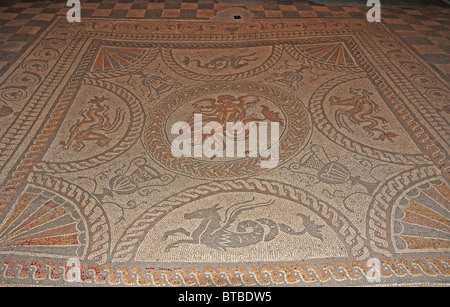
[(88, 171)]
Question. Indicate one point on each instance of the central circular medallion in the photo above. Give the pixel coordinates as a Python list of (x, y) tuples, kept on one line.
[(226, 102)]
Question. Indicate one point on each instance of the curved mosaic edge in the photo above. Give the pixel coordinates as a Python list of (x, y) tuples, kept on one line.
[(136, 125), (378, 221), (327, 129), (128, 243), (159, 150), (99, 244)]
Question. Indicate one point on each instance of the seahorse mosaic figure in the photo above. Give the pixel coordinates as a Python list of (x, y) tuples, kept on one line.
[(216, 234)]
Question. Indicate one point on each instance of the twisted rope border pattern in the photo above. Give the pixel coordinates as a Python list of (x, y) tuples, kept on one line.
[(127, 245)]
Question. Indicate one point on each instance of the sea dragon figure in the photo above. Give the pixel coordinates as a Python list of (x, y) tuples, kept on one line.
[(216, 234), (224, 62), (94, 125)]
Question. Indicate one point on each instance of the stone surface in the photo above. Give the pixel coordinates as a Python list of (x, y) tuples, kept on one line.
[(87, 171)]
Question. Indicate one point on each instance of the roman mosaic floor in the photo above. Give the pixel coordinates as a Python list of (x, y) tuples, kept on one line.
[(88, 174)]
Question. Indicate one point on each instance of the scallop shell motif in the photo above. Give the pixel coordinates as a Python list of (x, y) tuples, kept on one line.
[(422, 218), (43, 223)]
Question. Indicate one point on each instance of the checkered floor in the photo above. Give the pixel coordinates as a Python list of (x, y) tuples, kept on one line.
[(425, 29)]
